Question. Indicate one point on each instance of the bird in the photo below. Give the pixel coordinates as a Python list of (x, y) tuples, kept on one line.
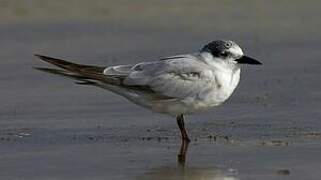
[(175, 85)]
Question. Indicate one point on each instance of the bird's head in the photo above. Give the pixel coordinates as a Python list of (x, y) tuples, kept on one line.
[(229, 52)]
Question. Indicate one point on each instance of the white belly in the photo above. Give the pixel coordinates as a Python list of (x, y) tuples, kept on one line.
[(222, 89), (225, 86)]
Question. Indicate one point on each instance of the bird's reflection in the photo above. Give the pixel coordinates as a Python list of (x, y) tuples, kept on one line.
[(187, 173), (182, 171)]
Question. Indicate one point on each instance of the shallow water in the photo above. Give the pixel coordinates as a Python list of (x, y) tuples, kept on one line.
[(51, 128)]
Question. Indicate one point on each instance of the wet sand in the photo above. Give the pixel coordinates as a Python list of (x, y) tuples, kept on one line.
[(51, 128)]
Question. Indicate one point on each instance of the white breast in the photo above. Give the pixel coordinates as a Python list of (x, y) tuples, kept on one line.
[(223, 86)]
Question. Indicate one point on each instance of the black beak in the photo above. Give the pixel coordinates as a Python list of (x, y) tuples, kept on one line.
[(248, 60)]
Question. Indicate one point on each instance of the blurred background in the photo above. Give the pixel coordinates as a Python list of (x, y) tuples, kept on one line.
[(50, 127)]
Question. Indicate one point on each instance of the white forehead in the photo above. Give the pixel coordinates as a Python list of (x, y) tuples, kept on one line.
[(236, 50)]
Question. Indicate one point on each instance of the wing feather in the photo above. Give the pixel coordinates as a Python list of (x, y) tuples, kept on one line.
[(177, 78), (78, 71)]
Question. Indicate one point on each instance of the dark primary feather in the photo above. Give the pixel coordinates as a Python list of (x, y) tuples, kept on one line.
[(69, 65), (78, 71)]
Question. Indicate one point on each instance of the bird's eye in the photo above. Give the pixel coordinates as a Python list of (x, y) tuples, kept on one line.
[(228, 44)]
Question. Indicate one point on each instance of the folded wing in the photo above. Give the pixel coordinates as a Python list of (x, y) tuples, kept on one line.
[(175, 77)]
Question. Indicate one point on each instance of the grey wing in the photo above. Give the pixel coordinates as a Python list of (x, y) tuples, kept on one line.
[(180, 78)]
